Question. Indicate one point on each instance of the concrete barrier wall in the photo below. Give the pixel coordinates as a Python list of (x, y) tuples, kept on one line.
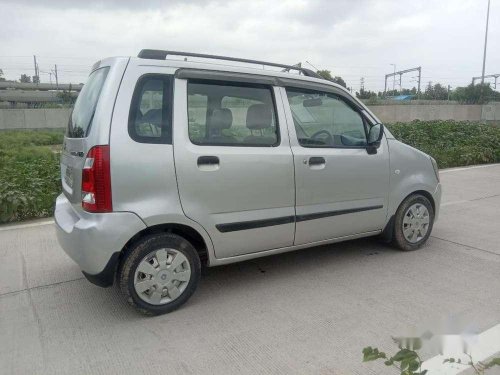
[(45, 118), (426, 112), (491, 113), (56, 118)]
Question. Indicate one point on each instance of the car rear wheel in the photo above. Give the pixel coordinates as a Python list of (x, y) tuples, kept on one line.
[(413, 222), (160, 273)]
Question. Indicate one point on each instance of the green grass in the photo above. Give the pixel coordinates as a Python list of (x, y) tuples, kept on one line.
[(29, 174), (452, 144), (30, 178)]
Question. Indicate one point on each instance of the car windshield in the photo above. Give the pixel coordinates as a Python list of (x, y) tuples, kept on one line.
[(83, 112)]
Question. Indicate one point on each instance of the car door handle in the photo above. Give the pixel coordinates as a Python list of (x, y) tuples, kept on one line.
[(317, 160), (208, 160)]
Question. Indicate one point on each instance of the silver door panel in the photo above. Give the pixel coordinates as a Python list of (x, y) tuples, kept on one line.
[(245, 185), (337, 218), (349, 178)]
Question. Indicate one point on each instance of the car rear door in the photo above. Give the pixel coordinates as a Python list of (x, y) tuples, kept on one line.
[(234, 165), (342, 190), (89, 123), (76, 143)]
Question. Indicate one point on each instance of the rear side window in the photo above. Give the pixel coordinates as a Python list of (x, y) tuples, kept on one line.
[(85, 106), (150, 118), (228, 114)]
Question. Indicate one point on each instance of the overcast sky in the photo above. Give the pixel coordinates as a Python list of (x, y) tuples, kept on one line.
[(353, 39)]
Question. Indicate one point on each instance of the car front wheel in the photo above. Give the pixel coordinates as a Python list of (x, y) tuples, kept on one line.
[(413, 222)]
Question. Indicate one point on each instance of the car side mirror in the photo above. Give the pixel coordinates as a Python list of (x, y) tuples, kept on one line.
[(374, 138)]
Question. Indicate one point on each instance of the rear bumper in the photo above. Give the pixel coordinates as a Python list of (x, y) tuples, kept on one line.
[(94, 241)]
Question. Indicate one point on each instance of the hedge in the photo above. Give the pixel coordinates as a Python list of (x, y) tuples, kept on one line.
[(29, 174), (451, 143), (30, 178)]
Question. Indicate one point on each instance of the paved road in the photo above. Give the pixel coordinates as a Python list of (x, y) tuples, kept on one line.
[(308, 312)]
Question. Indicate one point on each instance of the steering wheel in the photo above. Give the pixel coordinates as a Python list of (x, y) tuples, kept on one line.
[(328, 140)]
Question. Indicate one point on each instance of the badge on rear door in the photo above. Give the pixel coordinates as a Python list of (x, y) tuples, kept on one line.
[(68, 177)]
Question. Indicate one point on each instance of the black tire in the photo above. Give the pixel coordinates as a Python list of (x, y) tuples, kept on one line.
[(138, 252), (399, 239)]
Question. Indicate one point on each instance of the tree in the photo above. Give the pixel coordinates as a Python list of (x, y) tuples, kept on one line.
[(25, 78), (413, 91), (365, 94), (326, 74), (475, 94), (338, 80), (391, 93), (66, 97), (435, 92), (2, 79)]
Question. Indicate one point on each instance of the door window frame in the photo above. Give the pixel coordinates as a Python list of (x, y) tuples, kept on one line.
[(166, 137), (351, 104), (236, 84)]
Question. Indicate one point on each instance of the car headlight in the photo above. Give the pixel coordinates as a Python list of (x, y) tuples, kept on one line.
[(435, 166)]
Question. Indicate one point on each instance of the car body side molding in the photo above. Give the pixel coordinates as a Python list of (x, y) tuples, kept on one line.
[(253, 224)]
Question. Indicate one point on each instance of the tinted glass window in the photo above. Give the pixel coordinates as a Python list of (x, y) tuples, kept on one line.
[(325, 120), (231, 115), (150, 114), (86, 103)]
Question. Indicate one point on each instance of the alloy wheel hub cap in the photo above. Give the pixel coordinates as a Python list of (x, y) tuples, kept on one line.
[(162, 276), (416, 222)]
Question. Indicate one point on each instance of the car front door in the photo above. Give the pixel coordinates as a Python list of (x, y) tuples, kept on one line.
[(341, 188), (234, 165)]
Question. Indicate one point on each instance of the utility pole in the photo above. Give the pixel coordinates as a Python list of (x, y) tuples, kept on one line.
[(393, 79), (485, 44), (55, 73), (37, 72), (449, 87), (419, 78), (484, 54), (362, 84), (400, 73)]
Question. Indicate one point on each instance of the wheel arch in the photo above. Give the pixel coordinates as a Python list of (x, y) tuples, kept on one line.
[(426, 194), (182, 230), (388, 231)]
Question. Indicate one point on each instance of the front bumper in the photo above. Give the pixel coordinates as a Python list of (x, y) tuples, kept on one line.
[(437, 201), (94, 240)]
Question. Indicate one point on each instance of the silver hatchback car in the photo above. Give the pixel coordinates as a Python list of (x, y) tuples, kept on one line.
[(174, 161)]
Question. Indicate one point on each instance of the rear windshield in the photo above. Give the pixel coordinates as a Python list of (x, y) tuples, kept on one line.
[(83, 112)]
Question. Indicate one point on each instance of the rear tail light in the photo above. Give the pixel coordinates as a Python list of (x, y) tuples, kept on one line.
[(96, 181)]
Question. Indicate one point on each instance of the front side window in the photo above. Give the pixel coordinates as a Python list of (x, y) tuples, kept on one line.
[(150, 112), (86, 103), (325, 120), (231, 115)]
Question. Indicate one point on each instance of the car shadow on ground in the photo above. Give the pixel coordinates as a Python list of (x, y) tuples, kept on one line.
[(234, 279)]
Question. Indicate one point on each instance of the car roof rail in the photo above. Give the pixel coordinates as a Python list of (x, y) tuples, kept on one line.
[(156, 54)]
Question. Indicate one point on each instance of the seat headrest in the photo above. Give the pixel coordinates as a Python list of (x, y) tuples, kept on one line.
[(259, 116), (221, 119)]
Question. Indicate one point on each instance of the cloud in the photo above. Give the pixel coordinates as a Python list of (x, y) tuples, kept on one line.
[(103, 4), (354, 39)]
